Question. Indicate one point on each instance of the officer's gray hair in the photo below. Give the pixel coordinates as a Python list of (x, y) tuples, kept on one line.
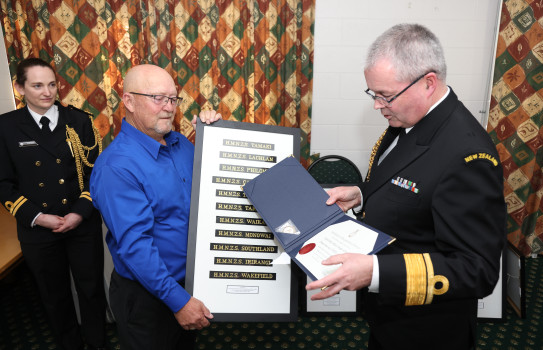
[(412, 49)]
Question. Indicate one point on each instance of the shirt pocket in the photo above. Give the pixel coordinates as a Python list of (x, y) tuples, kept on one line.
[(403, 196)]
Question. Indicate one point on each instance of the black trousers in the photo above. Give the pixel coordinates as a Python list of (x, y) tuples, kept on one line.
[(444, 326), (144, 321), (50, 264)]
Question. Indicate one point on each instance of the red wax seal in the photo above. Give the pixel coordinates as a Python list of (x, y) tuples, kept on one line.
[(307, 248)]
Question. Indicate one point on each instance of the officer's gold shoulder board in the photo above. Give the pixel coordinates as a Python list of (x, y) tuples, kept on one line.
[(483, 156)]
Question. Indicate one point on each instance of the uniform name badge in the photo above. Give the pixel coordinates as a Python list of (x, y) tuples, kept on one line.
[(27, 143)]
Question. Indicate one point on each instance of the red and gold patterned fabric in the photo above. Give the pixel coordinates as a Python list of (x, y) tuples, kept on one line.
[(251, 60), (516, 118)]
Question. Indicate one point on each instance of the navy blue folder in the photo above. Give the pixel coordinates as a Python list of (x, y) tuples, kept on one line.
[(288, 198)]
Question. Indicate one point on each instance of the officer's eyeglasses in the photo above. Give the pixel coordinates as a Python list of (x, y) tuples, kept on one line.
[(386, 102), (162, 99)]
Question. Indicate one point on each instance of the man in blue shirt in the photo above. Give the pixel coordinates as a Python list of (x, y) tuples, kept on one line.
[(141, 184)]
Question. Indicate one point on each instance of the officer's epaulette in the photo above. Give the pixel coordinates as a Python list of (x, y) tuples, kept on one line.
[(79, 151), (80, 110)]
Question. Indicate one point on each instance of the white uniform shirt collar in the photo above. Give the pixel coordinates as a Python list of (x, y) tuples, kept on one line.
[(440, 100), (52, 114)]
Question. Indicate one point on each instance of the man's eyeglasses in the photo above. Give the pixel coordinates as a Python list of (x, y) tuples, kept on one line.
[(386, 102), (162, 99)]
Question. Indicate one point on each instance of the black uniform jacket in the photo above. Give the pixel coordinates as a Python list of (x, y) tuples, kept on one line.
[(440, 192), (38, 173)]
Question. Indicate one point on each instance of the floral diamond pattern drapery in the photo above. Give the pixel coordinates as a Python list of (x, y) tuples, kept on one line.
[(516, 120), (249, 59)]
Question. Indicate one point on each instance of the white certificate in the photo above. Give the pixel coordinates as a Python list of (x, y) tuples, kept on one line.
[(344, 237)]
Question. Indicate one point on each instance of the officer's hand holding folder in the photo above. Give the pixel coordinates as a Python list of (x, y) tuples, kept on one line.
[(293, 205)]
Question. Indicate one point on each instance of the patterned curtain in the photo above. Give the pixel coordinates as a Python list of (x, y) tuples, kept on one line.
[(516, 120), (249, 59)]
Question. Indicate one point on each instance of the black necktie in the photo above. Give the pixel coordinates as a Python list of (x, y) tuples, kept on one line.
[(401, 134), (44, 121)]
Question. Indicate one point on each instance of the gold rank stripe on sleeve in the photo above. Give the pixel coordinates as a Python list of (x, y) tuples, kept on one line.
[(14, 207), (86, 195), (421, 282), (416, 279)]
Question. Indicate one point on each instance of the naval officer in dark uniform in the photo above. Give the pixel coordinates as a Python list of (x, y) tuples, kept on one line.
[(46, 156), (436, 184)]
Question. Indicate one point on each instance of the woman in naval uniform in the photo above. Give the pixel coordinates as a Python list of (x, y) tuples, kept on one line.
[(46, 156)]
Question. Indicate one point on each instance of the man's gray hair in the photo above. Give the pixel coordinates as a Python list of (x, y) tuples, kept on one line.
[(412, 49)]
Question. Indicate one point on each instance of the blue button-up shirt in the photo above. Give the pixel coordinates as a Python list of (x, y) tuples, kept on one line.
[(142, 189)]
